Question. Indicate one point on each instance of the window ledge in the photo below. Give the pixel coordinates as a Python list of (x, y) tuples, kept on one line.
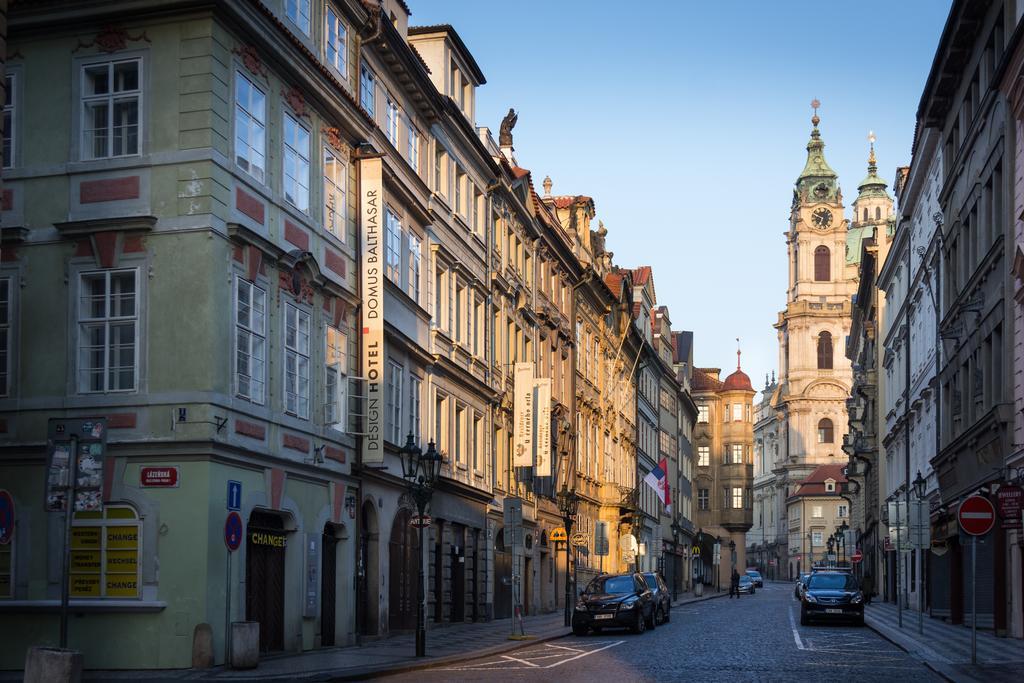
[(83, 605)]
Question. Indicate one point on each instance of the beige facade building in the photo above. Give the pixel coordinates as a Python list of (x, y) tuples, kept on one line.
[(817, 507)]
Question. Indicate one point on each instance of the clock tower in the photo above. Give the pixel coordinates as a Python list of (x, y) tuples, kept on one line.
[(815, 375)]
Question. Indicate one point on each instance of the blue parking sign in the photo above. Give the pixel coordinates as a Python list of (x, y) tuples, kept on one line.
[(234, 495)]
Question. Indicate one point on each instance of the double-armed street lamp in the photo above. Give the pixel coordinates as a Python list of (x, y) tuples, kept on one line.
[(420, 471), (568, 506)]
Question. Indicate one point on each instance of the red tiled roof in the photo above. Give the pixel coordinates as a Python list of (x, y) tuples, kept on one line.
[(737, 381), (641, 275), (814, 485), (566, 201), (703, 381), (614, 283), (519, 172)]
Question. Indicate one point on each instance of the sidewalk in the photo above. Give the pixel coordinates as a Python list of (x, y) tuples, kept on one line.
[(946, 648), (389, 655)]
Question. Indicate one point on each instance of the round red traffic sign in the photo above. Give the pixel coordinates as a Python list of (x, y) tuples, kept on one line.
[(857, 556), (976, 516), (233, 531)]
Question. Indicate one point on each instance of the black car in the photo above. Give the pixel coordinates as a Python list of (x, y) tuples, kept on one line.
[(756, 577), (662, 597), (832, 595), (614, 600)]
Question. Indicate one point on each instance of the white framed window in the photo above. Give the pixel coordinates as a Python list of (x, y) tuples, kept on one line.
[(335, 181), (415, 394), (413, 151), (414, 267), (111, 107), (736, 450), (298, 12), (478, 442), (394, 402), (703, 456), (702, 499), (459, 313), (725, 413), (460, 180), (737, 412), (106, 548), (392, 247), (737, 498), (367, 89), (458, 443), (296, 163), (335, 377), (830, 486), (250, 127), (817, 538), (702, 413), (440, 417), (391, 121), (296, 361), (250, 341), (108, 331), (817, 512), (336, 42), (9, 121), (842, 511), (6, 317)]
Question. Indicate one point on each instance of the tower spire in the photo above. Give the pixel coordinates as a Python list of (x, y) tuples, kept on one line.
[(816, 169), (738, 352), (872, 184)]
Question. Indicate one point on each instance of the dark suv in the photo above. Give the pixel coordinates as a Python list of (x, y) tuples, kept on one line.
[(831, 595), (662, 597), (614, 600)]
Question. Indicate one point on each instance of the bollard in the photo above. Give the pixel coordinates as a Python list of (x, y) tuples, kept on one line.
[(53, 665), (202, 647), (245, 644)]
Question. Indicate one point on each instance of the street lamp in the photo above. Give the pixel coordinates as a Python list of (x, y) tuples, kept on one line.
[(919, 485), (677, 530), (718, 570), (568, 505), (420, 472), (842, 529), (732, 556)]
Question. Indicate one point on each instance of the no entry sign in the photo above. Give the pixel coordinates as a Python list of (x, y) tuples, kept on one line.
[(976, 516), (857, 556)]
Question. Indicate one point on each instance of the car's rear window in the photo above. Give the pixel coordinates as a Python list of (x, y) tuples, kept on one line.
[(832, 582)]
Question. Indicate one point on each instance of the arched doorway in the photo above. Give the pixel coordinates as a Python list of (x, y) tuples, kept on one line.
[(502, 577), (264, 577), (403, 558), (328, 583), (369, 571)]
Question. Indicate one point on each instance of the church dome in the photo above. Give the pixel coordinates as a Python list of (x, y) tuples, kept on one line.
[(737, 381)]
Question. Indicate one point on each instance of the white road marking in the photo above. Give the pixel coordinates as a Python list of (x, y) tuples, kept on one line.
[(562, 647), (796, 634), (521, 661), (589, 652)]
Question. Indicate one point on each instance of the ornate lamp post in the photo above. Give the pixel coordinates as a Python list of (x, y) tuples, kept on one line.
[(568, 505), (677, 531), (842, 529), (420, 471), (919, 487), (732, 557)]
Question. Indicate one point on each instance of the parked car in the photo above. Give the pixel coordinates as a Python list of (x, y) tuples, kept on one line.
[(756, 577), (746, 584), (614, 600), (801, 583), (662, 597), (832, 595)]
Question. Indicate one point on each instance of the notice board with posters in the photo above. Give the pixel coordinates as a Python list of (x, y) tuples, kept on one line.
[(84, 468)]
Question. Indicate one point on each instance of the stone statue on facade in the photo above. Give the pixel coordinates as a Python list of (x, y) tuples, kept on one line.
[(507, 124)]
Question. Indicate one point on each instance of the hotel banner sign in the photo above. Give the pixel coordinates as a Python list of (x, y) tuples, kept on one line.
[(371, 199), (543, 466)]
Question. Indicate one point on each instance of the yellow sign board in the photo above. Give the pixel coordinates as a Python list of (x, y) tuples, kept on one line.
[(85, 561), (85, 537), (558, 534), (122, 586), (119, 537), (85, 585)]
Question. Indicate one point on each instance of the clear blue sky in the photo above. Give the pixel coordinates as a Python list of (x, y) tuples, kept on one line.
[(687, 123)]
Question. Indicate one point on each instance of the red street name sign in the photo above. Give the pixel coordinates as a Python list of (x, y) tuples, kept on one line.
[(976, 516), (159, 477), (420, 522), (1010, 498)]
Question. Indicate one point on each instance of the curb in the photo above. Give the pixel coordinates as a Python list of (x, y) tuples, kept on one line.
[(881, 630)]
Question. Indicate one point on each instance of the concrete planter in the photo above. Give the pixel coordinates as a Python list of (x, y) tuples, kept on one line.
[(245, 644), (53, 665)]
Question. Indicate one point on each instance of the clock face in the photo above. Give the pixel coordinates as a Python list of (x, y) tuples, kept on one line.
[(822, 218)]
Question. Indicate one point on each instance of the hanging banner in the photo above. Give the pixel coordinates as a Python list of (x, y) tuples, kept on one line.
[(371, 197), (543, 464), (523, 407)]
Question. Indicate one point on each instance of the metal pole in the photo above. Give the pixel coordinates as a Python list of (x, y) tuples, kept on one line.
[(69, 513), (421, 617), (899, 561), (227, 611), (568, 588), (974, 600)]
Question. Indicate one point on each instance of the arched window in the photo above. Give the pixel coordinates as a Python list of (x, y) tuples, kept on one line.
[(825, 432), (878, 213), (822, 264), (865, 213), (825, 351)]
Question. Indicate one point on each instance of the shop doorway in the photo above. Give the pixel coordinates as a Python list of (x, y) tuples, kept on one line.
[(328, 585), (502, 578), (403, 556), (458, 562), (368, 572), (264, 578)]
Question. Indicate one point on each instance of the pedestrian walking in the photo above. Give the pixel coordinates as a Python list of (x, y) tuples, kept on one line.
[(867, 587), (734, 584)]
